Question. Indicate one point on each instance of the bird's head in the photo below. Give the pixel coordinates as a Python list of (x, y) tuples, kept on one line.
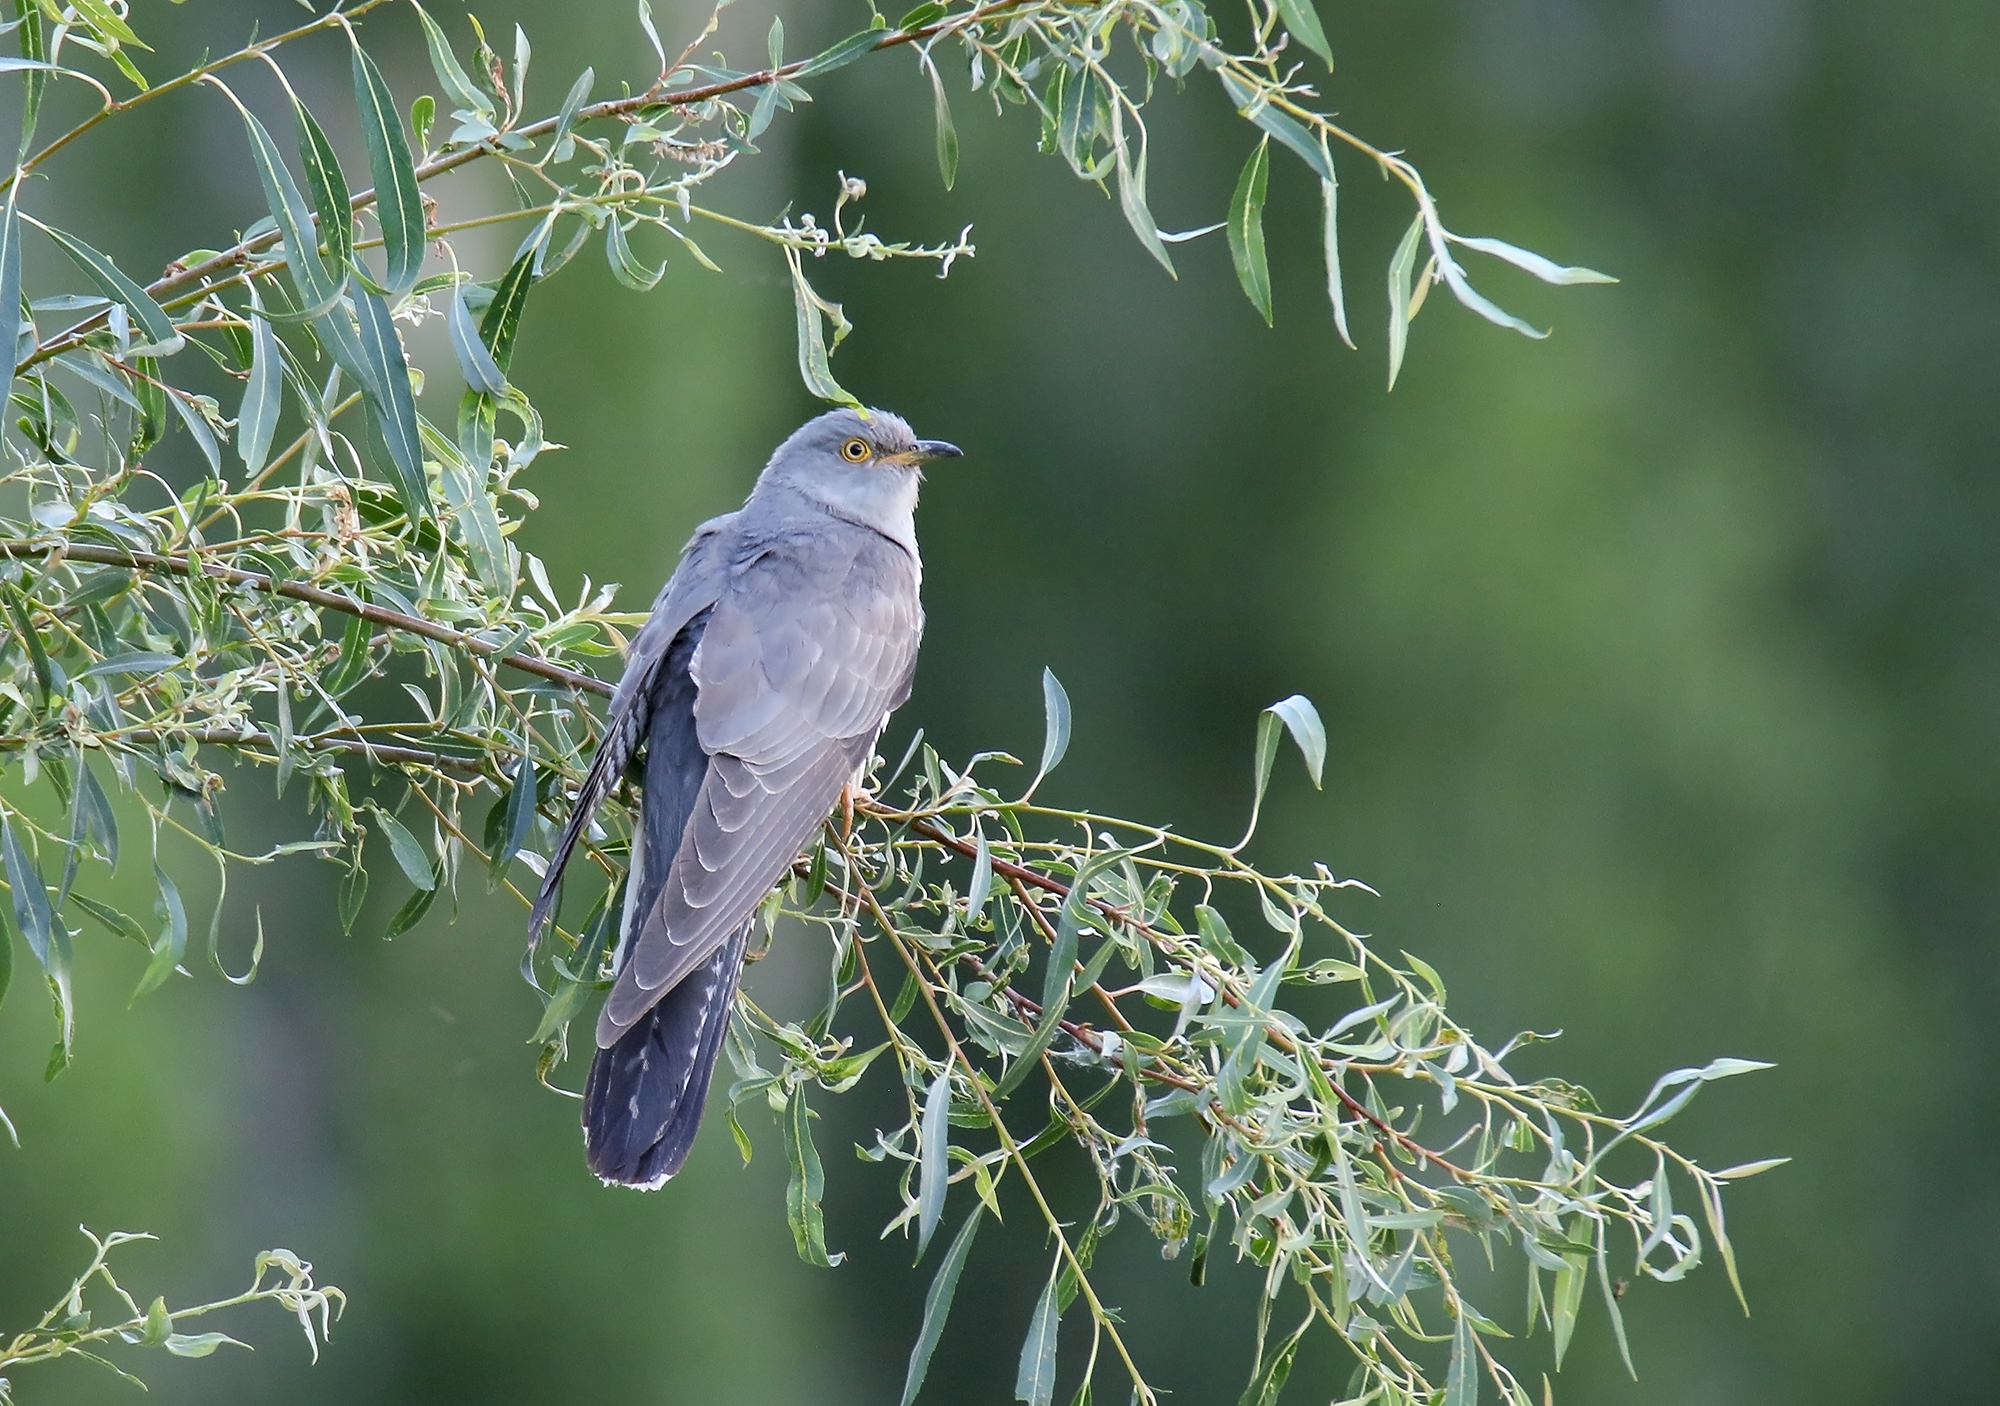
[(864, 465)]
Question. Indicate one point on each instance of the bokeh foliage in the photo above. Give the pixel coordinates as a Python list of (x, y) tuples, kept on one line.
[(464, 575)]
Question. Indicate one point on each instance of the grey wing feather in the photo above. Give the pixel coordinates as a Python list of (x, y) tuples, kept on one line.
[(810, 645), (690, 590)]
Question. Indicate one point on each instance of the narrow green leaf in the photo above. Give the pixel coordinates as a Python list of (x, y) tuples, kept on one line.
[(1045, 1032), (200, 1344), (30, 637), (128, 68), (840, 55), (475, 362), (934, 1164), (1548, 270), (1568, 1299), (947, 133), (30, 897), (1461, 1378), (398, 206), (937, 1304), (520, 815), (1246, 230), (352, 665), (198, 429), (1254, 106), (395, 409), (523, 52), (162, 339), (1132, 196), (1336, 292), (502, 322), (1429, 974), (1303, 22), (761, 115), (263, 392), (1301, 719), (314, 288), (806, 1187), (413, 910), (329, 190), (815, 366), (411, 856), (353, 891), (1401, 268), (1056, 980), (1711, 1210), (1268, 1383), (104, 21), (816, 875), (171, 943), (287, 752), (626, 266), (653, 36), (1749, 1169), (256, 951), (152, 397), (1611, 1305), (906, 999), (474, 521), (767, 97), (981, 886), (1035, 1381), (10, 282), (1055, 722), (89, 366), (138, 662), (6, 962), (457, 86), (1074, 108), (571, 994), (113, 921), (159, 1323), (561, 144), (34, 50)]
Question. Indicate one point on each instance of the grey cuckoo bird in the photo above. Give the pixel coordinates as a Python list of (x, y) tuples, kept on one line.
[(756, 690)]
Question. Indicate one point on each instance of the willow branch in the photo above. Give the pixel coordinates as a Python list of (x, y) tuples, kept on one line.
[(311, 595)]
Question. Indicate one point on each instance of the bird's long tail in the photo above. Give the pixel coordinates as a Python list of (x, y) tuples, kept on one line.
[(642, 1103)]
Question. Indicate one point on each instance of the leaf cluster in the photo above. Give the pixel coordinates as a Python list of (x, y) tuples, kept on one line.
[(1045, 979), (77, 1324)]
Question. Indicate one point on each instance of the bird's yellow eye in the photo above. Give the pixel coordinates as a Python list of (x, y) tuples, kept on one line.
[(855, 451)]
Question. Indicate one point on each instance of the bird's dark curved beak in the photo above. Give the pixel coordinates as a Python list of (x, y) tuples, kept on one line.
[(929, 449)]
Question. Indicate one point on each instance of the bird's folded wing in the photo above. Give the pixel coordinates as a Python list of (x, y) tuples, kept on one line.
[(690, 590), (810, 646)]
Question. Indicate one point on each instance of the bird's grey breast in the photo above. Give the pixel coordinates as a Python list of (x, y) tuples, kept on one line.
[(813, 637)]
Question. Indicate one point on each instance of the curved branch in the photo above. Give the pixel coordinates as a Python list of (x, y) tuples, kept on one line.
[(311, 595), (255, 737)]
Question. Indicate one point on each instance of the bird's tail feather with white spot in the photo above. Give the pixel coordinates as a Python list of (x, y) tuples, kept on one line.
[(642, 1103)]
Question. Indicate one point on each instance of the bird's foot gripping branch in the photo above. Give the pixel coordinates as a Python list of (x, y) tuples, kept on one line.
[(1246, 1078)]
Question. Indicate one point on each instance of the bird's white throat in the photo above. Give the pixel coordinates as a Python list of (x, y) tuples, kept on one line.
[(881, 497)]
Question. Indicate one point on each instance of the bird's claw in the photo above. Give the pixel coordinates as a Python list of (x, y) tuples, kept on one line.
[(852, 797)]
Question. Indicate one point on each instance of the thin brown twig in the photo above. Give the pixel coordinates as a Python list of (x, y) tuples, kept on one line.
[(311, 595), (256, 737)]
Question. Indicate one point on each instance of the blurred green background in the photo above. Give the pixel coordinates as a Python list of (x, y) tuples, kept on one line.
[(1657, 661)]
